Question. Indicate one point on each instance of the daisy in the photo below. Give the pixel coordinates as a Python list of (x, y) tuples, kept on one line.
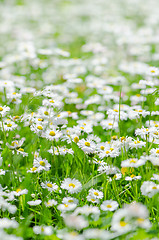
[(109, 151), (87, 210), (45, 230), (96, 193), (34, 203), (66, 207), (50, 203), (72, 185), (109, 205), (37, 128), (109, 124), (77, 222), (155, 177), (143, 132), (20, 192), (49, 186), (21, 151), (16, 144), (152, 71), (33, 170), (133, 162), (120, 221), (4, 110), (92, 199), (55, 103), (149, 189), (137, 144), (154, 152), (114, 114), (132, 177), (8, 223), (41, 164), (68, 200), (87, 146), (52, 134), (9, 125)]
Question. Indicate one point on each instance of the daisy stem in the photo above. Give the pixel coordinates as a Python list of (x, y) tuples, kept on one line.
[(119, 111), (4, 133)]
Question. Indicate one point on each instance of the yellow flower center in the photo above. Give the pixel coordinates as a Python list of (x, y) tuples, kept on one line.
[(70, 201), (133, 161), (9, 125), (42, 163), (18, 190), (154, 187), (92, 199), (51, 101), (140, 220), (82, 128), (49, 185), (123, 224), (40, 119), (122, 138), (1, 109), (73, 233), (39, 127), (111, 149), (13, 143), (87, 144), (157, 151), (115, 110), (52, 133), (156, 125), (114, 137), (132, 176), (21, 149), (33, 169), (107, 152), (95, 193), (110, 124), (102, 147), (46, 113), (109, 206), (76, 139), (66, 205), (72, 185)]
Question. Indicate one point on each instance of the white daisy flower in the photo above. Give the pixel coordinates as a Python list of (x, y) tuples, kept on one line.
[(109, 205), (95, 193), (50, 203), (72, 185), (4, 110), (66, 207), (49, 186), (45, 230), (87, 146), (149, 189), (34, 203)]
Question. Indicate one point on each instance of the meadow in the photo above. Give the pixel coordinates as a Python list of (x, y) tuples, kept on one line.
[(79, 120)]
